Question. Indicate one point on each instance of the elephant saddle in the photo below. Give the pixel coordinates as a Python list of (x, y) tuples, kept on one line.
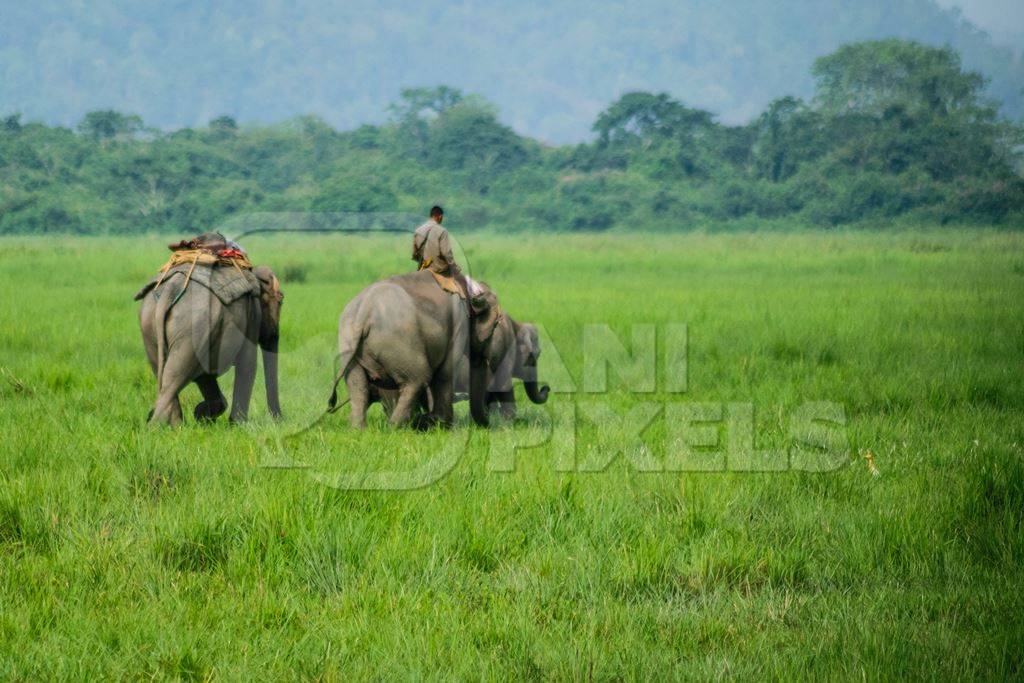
[(209, 261), (448, 284), (227, 283), (452, 286)]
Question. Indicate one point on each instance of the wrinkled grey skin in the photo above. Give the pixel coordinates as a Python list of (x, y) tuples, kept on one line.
[(199, 339), (400, 341), (513, 354)]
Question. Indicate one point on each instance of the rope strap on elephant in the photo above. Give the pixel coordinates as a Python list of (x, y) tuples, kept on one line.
[(193, 257)]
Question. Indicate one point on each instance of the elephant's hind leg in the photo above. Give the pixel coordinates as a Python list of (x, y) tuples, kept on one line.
[(442, 413), (177, 373), (409, 397), (214, 404), (358, 385)]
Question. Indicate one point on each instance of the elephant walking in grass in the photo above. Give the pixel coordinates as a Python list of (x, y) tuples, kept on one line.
[(401, 341), (512, 354), (200, 322)]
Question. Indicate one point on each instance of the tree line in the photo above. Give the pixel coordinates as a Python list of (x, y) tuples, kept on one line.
[(895, 132)]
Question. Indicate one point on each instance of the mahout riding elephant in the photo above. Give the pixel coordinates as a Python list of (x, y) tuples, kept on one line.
[(198, 321), (401, 340)]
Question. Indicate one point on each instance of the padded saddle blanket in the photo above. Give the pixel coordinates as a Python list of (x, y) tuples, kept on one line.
[(448, 284), (227, 283)]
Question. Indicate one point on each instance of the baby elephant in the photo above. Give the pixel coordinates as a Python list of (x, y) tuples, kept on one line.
[(513, 354)]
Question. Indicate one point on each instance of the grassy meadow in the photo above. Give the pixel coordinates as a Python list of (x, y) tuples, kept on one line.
[(190, 553)]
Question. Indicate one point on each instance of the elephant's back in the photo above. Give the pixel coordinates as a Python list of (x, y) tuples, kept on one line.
[(377, 298), (408, 294)]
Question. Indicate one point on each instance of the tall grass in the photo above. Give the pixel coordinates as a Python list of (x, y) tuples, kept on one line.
[(132, 552)]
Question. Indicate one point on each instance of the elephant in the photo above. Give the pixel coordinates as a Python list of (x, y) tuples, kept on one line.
[(197, 323), (512, 354), (401, 340)]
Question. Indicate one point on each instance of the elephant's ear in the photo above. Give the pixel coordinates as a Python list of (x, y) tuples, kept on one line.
[(269, 283), (275, 288)]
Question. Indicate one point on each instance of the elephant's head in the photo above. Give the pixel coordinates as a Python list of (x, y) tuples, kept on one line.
[(271, 300), (527, 353), (487, 315)]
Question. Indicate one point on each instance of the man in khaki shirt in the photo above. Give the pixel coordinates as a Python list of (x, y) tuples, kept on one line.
[(431, 248)]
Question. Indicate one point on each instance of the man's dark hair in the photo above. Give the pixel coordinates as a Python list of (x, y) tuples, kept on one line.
[(436, 211)]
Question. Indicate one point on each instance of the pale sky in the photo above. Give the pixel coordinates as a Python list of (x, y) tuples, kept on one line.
[(1001, 18)]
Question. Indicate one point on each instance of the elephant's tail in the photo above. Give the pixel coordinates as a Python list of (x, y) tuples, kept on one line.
[(351, 330), (167, 295)]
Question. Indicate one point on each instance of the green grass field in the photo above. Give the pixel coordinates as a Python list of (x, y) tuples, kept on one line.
[(134, 552)]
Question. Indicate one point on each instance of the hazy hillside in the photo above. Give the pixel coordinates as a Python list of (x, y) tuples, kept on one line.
[(550, 68), (896, 130)]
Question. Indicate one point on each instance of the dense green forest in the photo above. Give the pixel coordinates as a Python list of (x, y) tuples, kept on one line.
[(550, 67), (895, 129)]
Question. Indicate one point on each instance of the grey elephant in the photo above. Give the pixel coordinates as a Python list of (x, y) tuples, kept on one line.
[(401, 341), (197, 322), (512, 353)]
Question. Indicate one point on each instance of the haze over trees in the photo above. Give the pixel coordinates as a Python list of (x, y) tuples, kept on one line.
[(894, 130), (549, 67)]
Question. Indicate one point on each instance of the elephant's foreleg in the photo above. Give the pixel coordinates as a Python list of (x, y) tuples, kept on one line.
[(478, 381), (270, 378), (506, 401), (500, 390), (214, 404), (358, 386), (245, 377)]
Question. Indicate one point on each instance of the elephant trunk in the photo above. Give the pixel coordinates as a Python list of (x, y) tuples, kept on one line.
[(537, 393), (270, 375), (478, 392)]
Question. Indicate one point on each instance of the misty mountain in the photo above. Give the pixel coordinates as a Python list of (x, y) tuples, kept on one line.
[(549, 67)]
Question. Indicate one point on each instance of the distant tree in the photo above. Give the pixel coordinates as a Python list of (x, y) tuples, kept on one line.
[(354, 191), (666, 138), (469, 136), (224, 124), (645, 116), (107, 124), (415, 109), (12, 123), (894, 105), (415, 103), (785, 135), (871, 77), (364, 137)]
